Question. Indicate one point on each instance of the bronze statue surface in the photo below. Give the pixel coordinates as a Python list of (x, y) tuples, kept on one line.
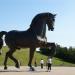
[(32, 38)]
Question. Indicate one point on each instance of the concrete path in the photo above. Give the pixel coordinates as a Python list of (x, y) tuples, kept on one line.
[(38, 71)]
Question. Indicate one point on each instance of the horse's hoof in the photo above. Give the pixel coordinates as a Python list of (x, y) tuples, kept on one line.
[(5, 68), (32, 69), (17, 66)]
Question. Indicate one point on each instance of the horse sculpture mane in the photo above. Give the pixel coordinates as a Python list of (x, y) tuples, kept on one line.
[(39, 16)]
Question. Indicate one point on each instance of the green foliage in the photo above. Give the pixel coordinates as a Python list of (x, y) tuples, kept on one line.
[(67, 54)]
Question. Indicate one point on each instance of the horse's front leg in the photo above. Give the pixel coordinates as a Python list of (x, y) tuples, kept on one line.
[(32, 50)]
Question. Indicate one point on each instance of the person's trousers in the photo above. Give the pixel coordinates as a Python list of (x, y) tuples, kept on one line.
[(49, 66), (41, 66)]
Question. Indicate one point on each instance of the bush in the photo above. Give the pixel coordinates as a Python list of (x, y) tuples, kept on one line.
[(67, 54)]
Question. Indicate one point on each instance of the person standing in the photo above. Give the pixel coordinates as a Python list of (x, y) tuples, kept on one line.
[(42, 63), (49, 63)]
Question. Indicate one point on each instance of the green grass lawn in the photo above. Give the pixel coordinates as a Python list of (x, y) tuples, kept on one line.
[(23, 56)]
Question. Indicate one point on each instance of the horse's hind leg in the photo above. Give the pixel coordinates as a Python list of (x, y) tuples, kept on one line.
[(15, 60), (9, 54)]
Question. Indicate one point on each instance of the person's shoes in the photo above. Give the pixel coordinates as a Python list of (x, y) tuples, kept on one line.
[(48, 71)]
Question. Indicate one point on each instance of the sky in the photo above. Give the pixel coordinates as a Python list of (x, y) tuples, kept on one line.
[(18, 14)]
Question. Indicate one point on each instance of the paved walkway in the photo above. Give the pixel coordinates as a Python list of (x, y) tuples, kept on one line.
[(25, 71)]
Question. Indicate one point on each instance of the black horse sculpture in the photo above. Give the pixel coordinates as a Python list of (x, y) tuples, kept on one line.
[(49, 50), (32, 38)]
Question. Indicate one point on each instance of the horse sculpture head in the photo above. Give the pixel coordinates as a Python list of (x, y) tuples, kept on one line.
[(42, 19), (50, 21), (39, 22)]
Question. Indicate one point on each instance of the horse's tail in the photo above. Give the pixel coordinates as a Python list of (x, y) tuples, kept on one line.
[(1, 40)]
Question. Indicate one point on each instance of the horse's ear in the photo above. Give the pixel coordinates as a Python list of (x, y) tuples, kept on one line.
[(55, 15)]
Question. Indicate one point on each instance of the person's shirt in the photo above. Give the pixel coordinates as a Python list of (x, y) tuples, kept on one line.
[(49, 60), (42, 62)]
